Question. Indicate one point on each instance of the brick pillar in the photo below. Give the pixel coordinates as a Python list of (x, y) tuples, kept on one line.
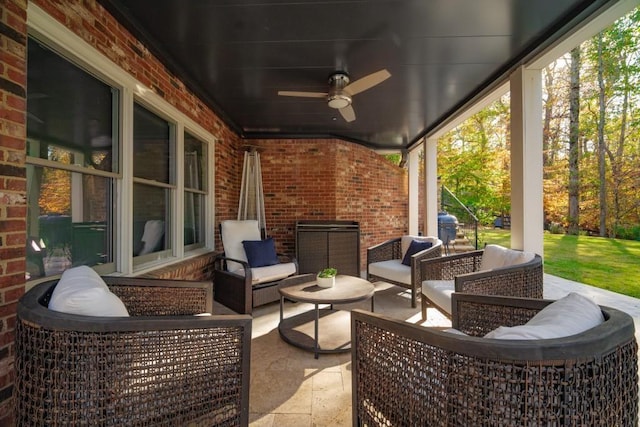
[(13, 209)]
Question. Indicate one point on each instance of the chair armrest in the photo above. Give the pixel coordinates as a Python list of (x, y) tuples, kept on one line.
[(521, 280), (391, 249), (162, 297), (476, 315), (448, 267), (284, 258), (220, 262), (434, 252)]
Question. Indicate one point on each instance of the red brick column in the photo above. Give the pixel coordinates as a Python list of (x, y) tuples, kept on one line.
[(13, 208)]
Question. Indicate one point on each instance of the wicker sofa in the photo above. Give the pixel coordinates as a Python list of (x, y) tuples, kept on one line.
[(405, 374), (384, 262), (494, 270), (161, 366)]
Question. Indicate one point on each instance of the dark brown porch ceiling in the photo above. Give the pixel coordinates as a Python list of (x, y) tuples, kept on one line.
[(237, 54)]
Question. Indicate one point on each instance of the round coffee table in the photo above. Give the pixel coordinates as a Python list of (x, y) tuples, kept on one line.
[(296, 330)]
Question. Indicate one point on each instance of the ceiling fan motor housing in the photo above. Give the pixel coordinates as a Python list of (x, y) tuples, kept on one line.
[(337, 97)]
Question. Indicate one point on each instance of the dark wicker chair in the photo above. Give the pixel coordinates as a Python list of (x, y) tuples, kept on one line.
[(162, 366), (240, 292), (406, 374), (521, 280), (392, 250)]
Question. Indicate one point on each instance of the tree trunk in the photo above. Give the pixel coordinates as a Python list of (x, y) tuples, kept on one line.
[(546, 124), (618, 160), (601, 145), (574, 143)]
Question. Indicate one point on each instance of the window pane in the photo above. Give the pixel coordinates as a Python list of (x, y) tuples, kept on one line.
[(152, 146), (71, 110), (194, 165), (150, 219), (193, 218), (69, 220)]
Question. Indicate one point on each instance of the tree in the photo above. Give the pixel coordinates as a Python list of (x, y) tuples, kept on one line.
[(574, 143)]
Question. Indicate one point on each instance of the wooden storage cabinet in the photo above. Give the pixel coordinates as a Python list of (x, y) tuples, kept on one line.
[(322, 244)]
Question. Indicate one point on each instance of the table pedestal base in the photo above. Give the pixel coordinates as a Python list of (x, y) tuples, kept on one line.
[(302, 330)]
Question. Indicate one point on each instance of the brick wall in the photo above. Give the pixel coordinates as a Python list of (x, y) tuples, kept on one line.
[(331, 179), (12, 188), (308, 179)]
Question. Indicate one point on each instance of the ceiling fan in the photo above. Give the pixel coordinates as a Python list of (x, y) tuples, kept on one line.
[(341, 91)]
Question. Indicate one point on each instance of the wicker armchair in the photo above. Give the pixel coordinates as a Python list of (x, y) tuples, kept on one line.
[(462, 273), (237, 285), (405, 374), (162, 366), (384, 263)]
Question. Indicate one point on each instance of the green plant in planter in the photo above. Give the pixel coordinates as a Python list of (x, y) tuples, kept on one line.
[(328, 272)]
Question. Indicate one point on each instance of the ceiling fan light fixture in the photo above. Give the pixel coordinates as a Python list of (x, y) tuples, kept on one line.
[(338, 100)]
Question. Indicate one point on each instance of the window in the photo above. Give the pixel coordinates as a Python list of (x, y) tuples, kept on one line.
[(71, 165), (194, 191), (101, 147), (153, 158)]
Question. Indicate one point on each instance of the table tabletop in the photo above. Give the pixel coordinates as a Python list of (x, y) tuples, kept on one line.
[(347, 289)]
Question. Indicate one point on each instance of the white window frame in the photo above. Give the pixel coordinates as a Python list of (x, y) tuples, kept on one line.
[(62, 40)]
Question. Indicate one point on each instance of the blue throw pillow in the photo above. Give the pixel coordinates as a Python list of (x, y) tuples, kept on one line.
[(260, 253), (415, 247)]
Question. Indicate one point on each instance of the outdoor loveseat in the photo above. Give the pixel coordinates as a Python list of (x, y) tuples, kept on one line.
[(494, 270), (406, 374), (161, 366), (389, 261)]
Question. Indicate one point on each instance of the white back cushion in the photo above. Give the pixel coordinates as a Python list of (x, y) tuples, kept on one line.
[(567, 316), (82, 291), (496, 256), (233, 233), (405, 242), (153, 232)]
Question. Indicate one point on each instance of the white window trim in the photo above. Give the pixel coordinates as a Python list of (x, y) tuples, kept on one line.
[(61, 39)]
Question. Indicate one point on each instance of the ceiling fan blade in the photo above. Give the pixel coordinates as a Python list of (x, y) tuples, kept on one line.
[(302, 94), (348, 113), (367, 82)]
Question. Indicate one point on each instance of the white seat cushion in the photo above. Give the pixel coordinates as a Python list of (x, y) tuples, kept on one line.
[(392, 269), (496, 256), (567, 316), (233, 233), (82, 291), (270, 272), (439, 292)]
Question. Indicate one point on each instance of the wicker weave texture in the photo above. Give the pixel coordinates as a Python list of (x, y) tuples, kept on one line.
[(406, 375), (149, 371), (166, 302), (448, 267)]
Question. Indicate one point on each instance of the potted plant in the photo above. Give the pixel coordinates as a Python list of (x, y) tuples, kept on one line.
[(327, 277)]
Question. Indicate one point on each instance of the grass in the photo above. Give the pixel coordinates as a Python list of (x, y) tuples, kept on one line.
[(611, 264)]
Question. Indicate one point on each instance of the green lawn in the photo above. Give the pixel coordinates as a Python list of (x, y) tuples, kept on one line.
[(611, 264)]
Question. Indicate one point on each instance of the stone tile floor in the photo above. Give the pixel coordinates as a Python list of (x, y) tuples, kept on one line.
[(291, 388)]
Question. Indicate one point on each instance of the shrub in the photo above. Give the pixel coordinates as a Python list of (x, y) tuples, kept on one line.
[(556, 228), (628, 232)]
